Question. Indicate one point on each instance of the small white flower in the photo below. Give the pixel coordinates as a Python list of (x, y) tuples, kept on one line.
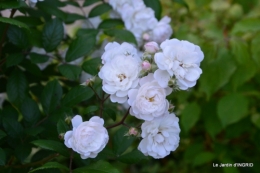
[(119, 75), (87, 138), (114, 49), (180, 59), (160, 136), (146, 65), (162, 30), (149, 101)]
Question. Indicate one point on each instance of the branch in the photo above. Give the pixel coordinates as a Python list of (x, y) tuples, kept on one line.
[(95, 92), (71, 158), (120, 122)]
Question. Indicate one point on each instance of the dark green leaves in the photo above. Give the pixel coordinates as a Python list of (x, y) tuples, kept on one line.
[(30, 110), (247, 25), (132, 157), (79, 47), (190, 116), (38, 58), (255, 49), (99, 9), (2, 134), (51, 96), (217, 73), (50, 165), (17, 87), (121, 142), (92, 66), (70, 71), (232, 108), (121, 35), (156, 6), (10, 122), (52, 145), (13, 22), (14, 59), (18, 37), (2, 157), (77, 95), (98, 167), (110, 23), (52, 35)]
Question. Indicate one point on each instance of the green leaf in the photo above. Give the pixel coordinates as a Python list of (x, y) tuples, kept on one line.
[(132, 157), (29, 20), (18, 37), (51, 165), (30, 110), (51, 96), (98, 167), (17, 87), (53, 146), (87, 32), (52, 34), (232, 108), (14, 22), (121, 142), (14, 59), (79, 47), (121, 35), (111, 113), (110, 23), (2, 157), (91, 109), (9, 4), (255, 118), (203, 158), (220, 69), (38, 58), (246, 25), (240, 51), (76, 95), (91, 66), (31, 67), (22, 152), (70, 71), (62, 127), (255, 49), (182, 2), (190, 116), (99, 9), (72, 17), (90, 2), (243, 73), (10, 122), (2, 134), (156, 6)]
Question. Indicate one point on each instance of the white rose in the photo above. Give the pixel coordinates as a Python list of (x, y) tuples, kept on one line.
[(180, 59), (87, 138), (133, 4), (115, 49), (149, 101), (119, 75), (162, 30), (160, 136)]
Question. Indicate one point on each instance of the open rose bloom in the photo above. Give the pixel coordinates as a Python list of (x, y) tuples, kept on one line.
[(87, 138)]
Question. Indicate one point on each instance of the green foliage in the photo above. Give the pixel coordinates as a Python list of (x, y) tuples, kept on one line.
[(156, 6), (99, 9), (14, 59), (121, 35), (99, 167), (52, 34), (187, 120), (70, 71), (51, 165), (92, 66)]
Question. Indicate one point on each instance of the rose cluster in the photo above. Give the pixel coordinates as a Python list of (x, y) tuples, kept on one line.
[(144, 82), (141, 21)]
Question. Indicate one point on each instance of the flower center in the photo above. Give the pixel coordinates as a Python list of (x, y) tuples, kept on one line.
[(151, 99), (121, 77)]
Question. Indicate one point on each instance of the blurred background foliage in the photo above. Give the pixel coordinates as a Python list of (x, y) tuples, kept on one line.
[(219, 117)]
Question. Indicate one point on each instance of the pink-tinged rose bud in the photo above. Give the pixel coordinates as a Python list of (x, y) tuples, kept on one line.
[(68, 119), (146, 65), (151, 47), (133, 131), (146, 36), (89, 82)]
